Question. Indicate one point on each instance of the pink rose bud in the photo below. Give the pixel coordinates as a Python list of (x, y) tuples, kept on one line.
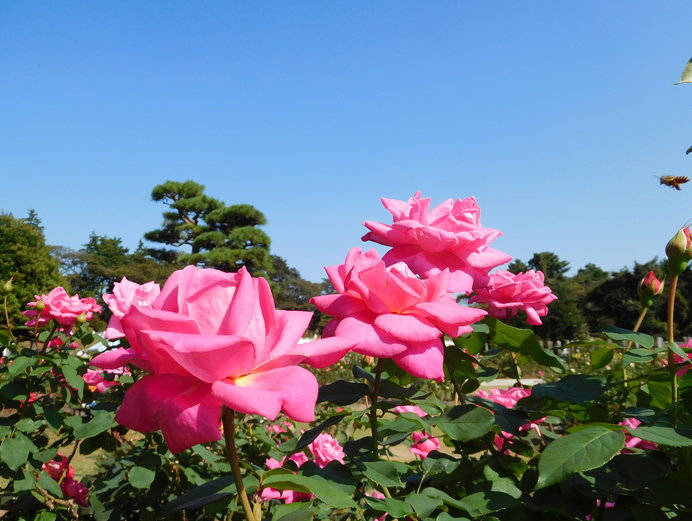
[(649, 287), (679, 252)]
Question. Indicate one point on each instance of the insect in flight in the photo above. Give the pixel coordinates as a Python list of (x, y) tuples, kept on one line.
[(674, 181)]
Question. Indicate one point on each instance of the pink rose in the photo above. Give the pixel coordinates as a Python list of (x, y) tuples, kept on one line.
[(326, 449), (126, 293), (509, 398), (212, 339), (62, 308), (410, 408), (57, 468), (448, 236), (507, 293), (390, 313), (423, 443), (678, 359)]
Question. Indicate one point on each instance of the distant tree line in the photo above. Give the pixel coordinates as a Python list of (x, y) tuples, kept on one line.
[(198, 229)]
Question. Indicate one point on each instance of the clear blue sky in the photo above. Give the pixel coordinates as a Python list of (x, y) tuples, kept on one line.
[(555, 115)]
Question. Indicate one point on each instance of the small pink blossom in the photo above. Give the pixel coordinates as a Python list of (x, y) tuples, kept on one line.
[(507, 293), (449, 236), (377, 495), (97, 382), (390, 313), (126, 293), (423, 443), (61, 307), (213, 339)]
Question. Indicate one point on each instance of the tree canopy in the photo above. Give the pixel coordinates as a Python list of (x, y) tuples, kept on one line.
[(219, 236)]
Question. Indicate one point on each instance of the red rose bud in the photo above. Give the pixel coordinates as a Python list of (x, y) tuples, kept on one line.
[(679, 252), (648, 288)]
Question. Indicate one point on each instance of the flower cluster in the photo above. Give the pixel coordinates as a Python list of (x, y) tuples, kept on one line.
[(62, 472), (59, 306)]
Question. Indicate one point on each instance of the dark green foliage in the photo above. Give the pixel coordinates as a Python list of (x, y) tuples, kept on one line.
[(25, 257), (219, 236)]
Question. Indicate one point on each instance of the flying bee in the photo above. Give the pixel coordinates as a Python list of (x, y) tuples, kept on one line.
[(674, 181)]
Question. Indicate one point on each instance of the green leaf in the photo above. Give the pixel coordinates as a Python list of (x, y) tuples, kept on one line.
[(385, 473), (46, 516), (423, 504), (303, 514), (487, 502), (49, 484), (661, 435), (394, 507), (601, 357), (473, 343), (584, 450), (574, 388), (637, 355), (200, 496), (73, 379), (324, 490), (342, 392), (101, 421), (465, 422), (618, 333), (522, 341), (309, 436), (686, 76), (19, 364), (23, 485), (14, 451), (444, 516), (675, 348), (139, 477), (28, 425)]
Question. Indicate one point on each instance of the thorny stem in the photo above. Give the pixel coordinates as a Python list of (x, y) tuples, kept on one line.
[(671, 358), (636, 327), (228, 419)]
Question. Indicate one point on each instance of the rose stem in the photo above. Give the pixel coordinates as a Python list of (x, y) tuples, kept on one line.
[(228, 418), (671, 359)]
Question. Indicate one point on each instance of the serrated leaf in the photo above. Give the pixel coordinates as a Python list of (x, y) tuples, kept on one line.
[(587, 449), (522, 341), (465, 422), (139, 477), (14, 451), (618, 333), (385, 473), (661, 435)]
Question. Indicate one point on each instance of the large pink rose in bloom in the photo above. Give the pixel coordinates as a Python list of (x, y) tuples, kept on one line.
[(212, 339), (61, 307), (125, 293), (391, 313), (507, 293), (448, 236)]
